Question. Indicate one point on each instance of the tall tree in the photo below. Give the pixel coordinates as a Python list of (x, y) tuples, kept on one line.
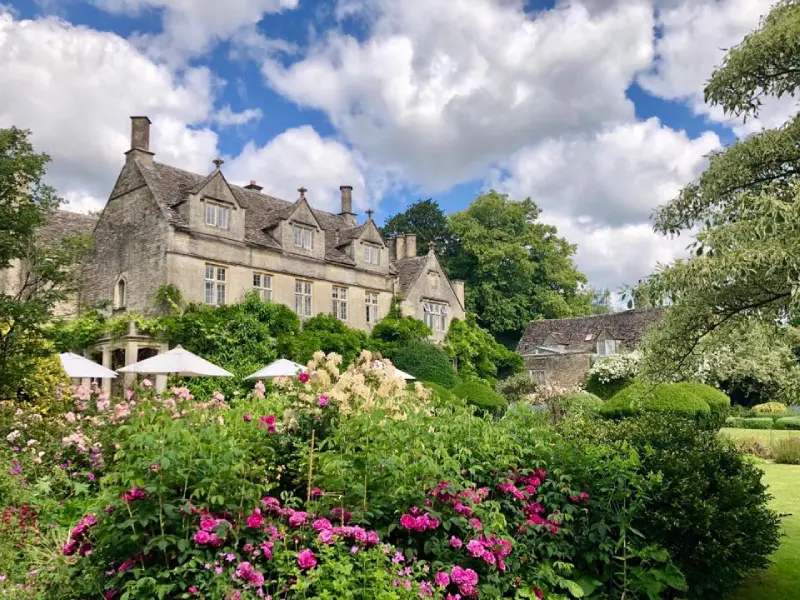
[(516, 269), (45, 272), (746, 263), (425, 219)]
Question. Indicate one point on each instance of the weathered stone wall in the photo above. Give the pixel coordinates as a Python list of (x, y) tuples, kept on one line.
[(565, 370), (432, 284), (130, 241), (189, 253)]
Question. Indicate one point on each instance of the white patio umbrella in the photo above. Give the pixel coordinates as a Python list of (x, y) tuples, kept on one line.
[(278, 368), (404, 375), (78, 367), (176, 362)]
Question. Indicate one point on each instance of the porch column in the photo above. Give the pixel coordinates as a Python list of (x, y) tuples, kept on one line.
[(106, 383), (131, 355)]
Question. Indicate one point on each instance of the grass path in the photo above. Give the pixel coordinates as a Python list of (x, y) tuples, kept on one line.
[(782, 580)]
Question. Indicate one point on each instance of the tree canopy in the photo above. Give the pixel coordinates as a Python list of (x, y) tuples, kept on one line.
[(744, 208), (47, 273), (516, 268), (425, 219)]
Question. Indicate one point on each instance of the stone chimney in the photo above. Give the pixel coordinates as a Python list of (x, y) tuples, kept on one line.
[(347, 203), (458, 287), (391, 244), (253, 186), (140, 140), (400, 247), (411, 245)]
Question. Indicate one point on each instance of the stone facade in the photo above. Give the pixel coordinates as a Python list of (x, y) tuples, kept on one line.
[(215, 241), (560, 351)]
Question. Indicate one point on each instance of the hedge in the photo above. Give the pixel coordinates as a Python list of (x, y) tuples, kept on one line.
[(664, 397), (480, 395), (717, 400), (444, 395), (426, 362), (788, 422), (750, 423)]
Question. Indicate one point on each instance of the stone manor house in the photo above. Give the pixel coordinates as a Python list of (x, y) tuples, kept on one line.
[(217, 241)]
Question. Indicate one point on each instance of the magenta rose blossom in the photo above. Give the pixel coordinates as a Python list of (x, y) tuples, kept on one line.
[(323, 400), (303, 378), (306, 559)]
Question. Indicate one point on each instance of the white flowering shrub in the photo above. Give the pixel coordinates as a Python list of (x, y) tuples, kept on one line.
[(609, 375)]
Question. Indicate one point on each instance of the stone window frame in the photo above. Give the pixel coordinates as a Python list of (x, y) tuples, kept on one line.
[(302, 230), (339, 301), (218, 210), (263, 285), (538, 376), (372, 254), (435, 314), (371, 299), (216, 285), (303, 298), (120, 292)]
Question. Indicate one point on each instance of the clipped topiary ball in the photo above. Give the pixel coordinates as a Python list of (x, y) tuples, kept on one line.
[(770, 407), (664, 397), (581, 403), (480, 395), (443, 395)]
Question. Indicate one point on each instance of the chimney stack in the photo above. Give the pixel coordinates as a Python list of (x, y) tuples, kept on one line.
[(253, 186), (458, 287), (347, 203), (140, 139), (391, 244), (411, 244), (400, 247)]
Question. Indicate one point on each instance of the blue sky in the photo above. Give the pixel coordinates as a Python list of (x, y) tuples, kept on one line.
[(592, 108)]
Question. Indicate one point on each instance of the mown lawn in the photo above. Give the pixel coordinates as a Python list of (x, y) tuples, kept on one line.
[(782, 580), (765, 435)]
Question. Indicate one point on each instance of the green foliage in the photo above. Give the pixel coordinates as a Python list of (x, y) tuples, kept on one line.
[(745, 206), (770, 407), (717, 401), (241, 338), (750, 423), (477, 354), (611, 374), (516, 268), (328, 334), (581, 404), (425, 219), (787, 451), (170, 300), (664, 397), (788, 422), (443, 394), (46, 270), (480, 395), (516, 388), (425, 361), (711, 511), (396, 330)]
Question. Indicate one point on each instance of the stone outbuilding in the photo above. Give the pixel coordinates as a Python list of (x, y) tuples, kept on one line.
[(560, 351)]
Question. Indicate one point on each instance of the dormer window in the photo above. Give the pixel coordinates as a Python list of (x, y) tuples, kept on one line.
[(372, 254), (606, 347), (217, 215), (303, 237)]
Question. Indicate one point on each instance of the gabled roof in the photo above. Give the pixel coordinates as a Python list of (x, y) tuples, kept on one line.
[(171, 185), (63, 223), (580, 334), (408, 270)]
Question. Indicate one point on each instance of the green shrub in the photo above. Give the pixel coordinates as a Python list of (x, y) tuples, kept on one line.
[(394, 331), (516, 388), (758, 423), (787, 451), (735, 422), (789, 422), (718, 401), (477, 354), (444, 395), (711, 510), (581, 404), (770, 407), (664, 397), (328, 334), (480, 395), (610, 375), (424, 361)]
